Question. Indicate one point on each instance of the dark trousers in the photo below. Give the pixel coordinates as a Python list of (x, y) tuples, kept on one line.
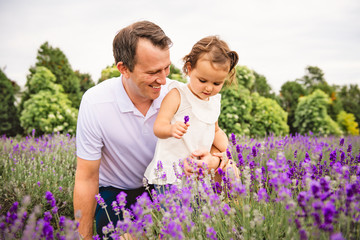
[(109, 195)]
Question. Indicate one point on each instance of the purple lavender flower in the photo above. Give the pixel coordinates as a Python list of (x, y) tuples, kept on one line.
[(254, 152), (329, 211), (228, 153), (174, 230), (233, 139), (238, 148), (186, 119), (226, 209), (295, 154), (342, 140), (50, 199), (349, 148), (315, 189), (336, 236), (121, 199), (303, 234), (211, 233), (262, 195), (317, 218), (100, 201), (96, 237)]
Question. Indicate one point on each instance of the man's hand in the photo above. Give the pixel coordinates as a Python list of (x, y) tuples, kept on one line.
[(178, 129), (223, 159), (212, 162)]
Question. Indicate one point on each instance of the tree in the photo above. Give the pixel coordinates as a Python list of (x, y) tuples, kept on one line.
[(48, 108), (236, 106), (109, 72), (313, 76), (311, 115), (261, 86), (350, 98), (56, 61), (290, 92), (86, 81), (9, 118), (267, 117), (347, 123), (176, 74), (245, 76)]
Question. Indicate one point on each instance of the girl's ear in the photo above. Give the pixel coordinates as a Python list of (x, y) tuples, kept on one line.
[(188, 67), (123, 69)]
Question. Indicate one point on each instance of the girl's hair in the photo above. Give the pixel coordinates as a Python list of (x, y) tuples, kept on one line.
[(218, 52)]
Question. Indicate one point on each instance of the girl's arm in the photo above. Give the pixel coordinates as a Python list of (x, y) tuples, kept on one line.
[(221, 141), (169, 106)]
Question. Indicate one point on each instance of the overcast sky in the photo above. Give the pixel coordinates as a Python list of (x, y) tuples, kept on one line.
[(276, 38)]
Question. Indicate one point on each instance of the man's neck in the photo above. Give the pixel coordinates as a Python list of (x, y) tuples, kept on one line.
[(142, 104)]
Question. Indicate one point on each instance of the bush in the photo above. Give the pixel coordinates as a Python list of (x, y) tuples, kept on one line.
[(311, 115), (56, 61), (48, 110), (236, 106), (267, 117), (347, 123), (9, 119), (109, 72)]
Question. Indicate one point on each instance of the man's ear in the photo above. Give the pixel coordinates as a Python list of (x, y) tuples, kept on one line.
[(123, 69)]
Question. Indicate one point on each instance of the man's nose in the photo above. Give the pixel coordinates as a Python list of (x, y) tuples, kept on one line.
[(162, 77)]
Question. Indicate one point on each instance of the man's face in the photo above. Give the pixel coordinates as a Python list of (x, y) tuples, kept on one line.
[(150, 71)]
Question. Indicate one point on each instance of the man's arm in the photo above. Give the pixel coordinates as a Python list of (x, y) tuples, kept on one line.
[(221, 141), (85, 189), (213, 158)]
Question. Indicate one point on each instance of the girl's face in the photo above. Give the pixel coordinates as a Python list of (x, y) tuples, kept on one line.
[(206, 79)]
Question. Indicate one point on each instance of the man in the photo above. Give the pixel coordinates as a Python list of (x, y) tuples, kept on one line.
[(115, 139)]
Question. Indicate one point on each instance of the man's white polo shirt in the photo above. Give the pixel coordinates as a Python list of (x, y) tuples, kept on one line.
[(110, 127)]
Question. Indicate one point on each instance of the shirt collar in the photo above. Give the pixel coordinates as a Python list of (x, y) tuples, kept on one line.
[(125, 104)]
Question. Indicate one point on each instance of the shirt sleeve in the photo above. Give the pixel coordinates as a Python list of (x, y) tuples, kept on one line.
[(88, 138)]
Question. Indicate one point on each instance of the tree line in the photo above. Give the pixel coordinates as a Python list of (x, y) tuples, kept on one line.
[(53, 90)]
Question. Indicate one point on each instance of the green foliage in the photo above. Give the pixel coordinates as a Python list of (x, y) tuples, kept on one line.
[(262, 87), (245, 76), (350, 98), (9, 119), (267, 117), (311, 115), (109, 72), (56, 61), (236, 106), (289, 95), (86, 81), (243, 113), (347, 123), (48, 109), (312, 78), (176, 74)]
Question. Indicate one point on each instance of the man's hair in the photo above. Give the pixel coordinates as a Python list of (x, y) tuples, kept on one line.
[(125, 41)]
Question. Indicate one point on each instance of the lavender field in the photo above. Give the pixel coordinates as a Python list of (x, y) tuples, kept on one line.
[(293, 187)]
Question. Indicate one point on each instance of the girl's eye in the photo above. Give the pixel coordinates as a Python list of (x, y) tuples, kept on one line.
[(202, 81), (216, 84)]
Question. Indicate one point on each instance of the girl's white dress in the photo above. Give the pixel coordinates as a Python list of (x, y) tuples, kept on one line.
[(200, 135)]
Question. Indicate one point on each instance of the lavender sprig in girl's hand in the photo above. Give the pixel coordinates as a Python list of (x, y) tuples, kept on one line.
[(186, 119)]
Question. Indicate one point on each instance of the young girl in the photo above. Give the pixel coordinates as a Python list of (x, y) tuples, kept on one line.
[(209, 64)]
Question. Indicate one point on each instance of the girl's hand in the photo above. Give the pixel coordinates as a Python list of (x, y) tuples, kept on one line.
[(178, 129)]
